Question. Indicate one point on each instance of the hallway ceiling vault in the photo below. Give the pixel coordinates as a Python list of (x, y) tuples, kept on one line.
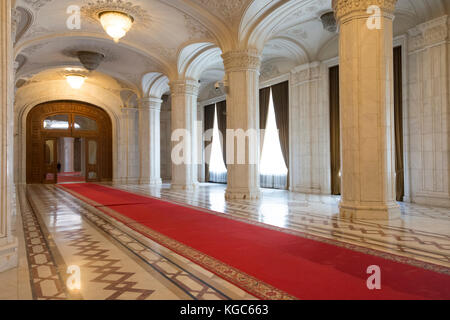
[(182, 38)]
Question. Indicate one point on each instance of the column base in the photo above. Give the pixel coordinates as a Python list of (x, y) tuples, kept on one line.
[(434, 199), (185, 187), (9, 254), (152, 182), (132, 181), (387, 211), (242, 193)]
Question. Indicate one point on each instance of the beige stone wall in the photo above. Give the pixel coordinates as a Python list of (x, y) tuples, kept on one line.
[(428, 118)]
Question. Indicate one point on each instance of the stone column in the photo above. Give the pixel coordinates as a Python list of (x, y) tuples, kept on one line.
[(150, 141), (367, 110), (184, 117), (68, 149), (242, 69), (132, 158), (8, 243)]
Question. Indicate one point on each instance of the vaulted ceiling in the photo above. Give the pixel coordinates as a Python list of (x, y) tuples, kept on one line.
[(183, 38)]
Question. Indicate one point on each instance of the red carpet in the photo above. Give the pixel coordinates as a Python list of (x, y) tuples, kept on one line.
[(301, 267)]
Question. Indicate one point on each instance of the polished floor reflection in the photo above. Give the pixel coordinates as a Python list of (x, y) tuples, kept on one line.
[(57, 230), (421, 232)]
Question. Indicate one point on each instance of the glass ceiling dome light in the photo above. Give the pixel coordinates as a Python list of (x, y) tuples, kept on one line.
[(75, 81), (116, 24)]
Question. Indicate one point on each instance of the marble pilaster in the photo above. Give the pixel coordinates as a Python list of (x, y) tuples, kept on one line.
[(310, 129), (429, 112)]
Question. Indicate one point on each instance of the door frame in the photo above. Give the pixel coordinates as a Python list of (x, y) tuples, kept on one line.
[(36, 133)]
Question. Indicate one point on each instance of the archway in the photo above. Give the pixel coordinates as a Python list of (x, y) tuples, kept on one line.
[(50, 121)]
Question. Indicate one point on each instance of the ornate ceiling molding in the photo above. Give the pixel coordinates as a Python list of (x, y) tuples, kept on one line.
[(196, 29), (92, 10), (226, 9), (22, 20), (37, 4)]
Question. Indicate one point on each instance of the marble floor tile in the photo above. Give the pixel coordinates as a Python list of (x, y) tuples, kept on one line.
[(57, 230)]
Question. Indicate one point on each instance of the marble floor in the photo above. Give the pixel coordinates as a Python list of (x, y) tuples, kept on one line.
[(56, 231)]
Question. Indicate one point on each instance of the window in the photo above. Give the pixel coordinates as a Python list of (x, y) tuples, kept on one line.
[(273, 169), (57, 122), (84, 123), (217, 169)]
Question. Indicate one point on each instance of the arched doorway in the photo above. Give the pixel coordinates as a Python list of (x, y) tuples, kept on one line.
[(87, 125)]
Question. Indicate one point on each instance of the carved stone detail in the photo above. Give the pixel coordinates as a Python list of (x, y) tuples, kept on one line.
[(37, 4), (242, 60), (184, 87), (306, 73), (151, 104), (269, 71), (15, 21), (196, 29), (229, 9), (343, 8), (429, 33)]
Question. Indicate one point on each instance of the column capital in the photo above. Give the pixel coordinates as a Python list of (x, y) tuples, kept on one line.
[(345, 8), (241, 60), (184, 87), (127, 110), (151, 103)]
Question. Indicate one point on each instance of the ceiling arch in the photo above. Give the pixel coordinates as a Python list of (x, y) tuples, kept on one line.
[(198, 57), (155, 85)]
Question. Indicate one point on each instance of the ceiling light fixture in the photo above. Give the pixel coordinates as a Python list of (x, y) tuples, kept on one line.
[(75, 81), (116, 24), (329, 21), (90, 60)]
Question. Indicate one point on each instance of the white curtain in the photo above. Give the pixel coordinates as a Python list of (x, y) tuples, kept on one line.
[(273, 169), (217, 169)]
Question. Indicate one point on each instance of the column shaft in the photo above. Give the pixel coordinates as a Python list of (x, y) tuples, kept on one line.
[(150, 141), (367, 110), (184, 118), (242, 69)]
